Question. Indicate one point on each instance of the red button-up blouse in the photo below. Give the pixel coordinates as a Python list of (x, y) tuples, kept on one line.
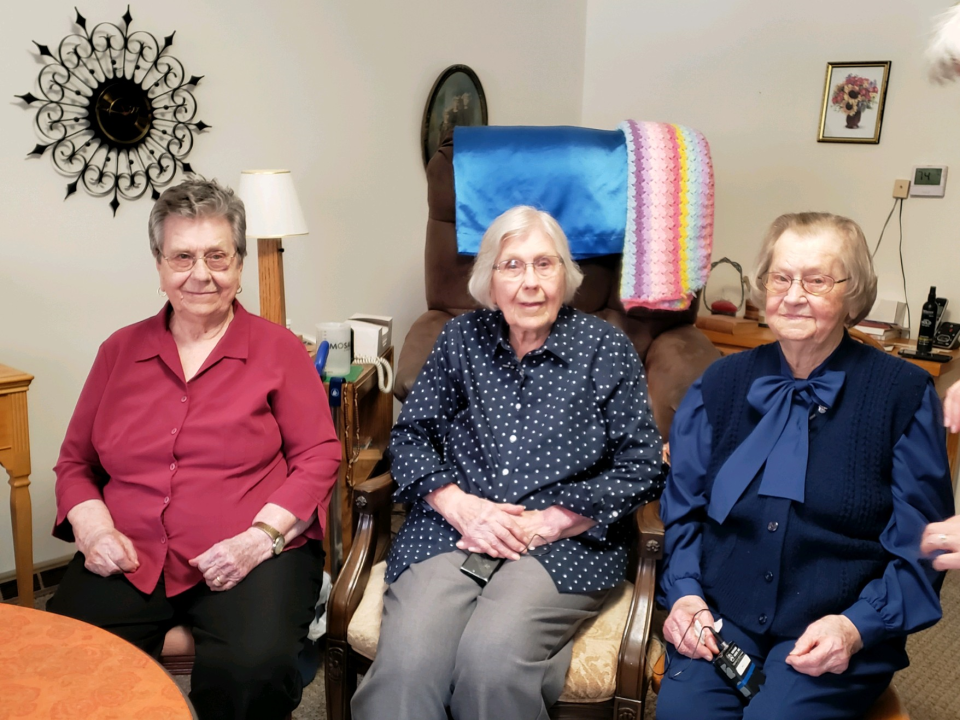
[(184, 465)]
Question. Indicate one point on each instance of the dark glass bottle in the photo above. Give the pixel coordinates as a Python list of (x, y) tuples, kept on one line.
[(928, 322)]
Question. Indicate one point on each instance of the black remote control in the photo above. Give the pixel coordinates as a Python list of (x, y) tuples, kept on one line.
[(931, 357), (947, 335)]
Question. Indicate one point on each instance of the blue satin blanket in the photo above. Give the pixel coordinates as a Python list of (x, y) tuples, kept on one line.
[(578, 175)]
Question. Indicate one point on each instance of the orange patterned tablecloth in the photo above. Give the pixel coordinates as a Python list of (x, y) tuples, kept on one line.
[(57, 668)]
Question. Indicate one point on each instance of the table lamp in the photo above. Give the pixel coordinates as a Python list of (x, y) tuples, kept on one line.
[(273, 213)]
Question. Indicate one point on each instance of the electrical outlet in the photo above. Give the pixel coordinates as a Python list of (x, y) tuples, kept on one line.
[(901, 188)]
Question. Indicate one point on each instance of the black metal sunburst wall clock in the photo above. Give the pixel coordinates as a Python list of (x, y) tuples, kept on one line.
[(116, 110)]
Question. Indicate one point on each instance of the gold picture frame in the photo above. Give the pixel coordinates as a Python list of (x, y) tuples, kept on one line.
[(854, 95), (456, 98)]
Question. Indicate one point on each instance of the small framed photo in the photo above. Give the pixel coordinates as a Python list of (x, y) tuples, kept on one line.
[(456, 99), (853, 99)]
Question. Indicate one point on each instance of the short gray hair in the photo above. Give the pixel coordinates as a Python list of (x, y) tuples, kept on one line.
[(853, 253), (519, 221), (197, 197)]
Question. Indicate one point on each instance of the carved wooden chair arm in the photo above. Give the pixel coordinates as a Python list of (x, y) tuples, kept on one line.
[(631, 669), (372, 502), (650, 530)]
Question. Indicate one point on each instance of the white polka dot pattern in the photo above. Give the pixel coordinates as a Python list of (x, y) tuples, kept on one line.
[(569, 424)]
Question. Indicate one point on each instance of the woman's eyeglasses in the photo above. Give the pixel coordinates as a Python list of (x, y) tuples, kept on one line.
[(779, 284), (545, 266), (539, 550), (216, 261)]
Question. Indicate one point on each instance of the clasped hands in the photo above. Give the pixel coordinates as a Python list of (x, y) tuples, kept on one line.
[(503, 529), (826, 646)]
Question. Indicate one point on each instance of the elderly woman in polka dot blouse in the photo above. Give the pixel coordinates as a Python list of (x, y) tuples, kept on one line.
[(528, 437)]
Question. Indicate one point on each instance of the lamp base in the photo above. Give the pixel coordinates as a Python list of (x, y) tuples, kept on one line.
[(273, 306)]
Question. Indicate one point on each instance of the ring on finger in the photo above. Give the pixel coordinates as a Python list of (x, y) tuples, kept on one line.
[(942, 537), (217, 581)]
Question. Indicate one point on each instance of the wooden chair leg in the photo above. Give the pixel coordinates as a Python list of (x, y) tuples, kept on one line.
[(340, 682), (628, 709)]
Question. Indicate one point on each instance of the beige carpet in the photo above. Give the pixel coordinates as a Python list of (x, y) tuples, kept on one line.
[(930, 687)]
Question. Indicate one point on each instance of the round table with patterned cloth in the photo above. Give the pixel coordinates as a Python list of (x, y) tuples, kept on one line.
[(57, 668)]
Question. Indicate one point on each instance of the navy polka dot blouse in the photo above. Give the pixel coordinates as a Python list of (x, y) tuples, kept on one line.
[(568, 425)]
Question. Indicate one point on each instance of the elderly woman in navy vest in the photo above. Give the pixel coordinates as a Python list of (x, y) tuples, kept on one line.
[(804, 472), (528, 437)]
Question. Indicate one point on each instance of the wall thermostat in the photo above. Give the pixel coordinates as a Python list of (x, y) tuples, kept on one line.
[(929, 181)]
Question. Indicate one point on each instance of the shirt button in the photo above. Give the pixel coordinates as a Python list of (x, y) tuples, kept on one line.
[(173, 466), (773, 525), (768, 576), (163, 539), (762, 619), (505, 472), (173, 432), (183, 399), (166, 500), (513, 438)]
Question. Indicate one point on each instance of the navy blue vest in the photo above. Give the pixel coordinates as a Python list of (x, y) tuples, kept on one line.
[(775, 566)]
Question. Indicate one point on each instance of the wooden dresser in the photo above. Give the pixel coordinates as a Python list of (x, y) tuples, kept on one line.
[(15, 459)]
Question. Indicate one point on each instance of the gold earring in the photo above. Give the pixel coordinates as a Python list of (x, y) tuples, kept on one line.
[(161, 293), (239, 289)]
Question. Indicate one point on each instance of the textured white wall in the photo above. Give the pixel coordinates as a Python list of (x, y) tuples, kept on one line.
[(750, 74), (333, 90)]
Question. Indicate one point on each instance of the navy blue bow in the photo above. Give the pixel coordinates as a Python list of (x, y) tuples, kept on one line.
[(780, 440)]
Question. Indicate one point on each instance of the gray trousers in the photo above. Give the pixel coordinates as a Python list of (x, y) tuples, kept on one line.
[(500, 652)]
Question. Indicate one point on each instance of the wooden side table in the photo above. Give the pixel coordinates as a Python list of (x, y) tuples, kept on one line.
[(366, 418), (15, 458), (944, 374)]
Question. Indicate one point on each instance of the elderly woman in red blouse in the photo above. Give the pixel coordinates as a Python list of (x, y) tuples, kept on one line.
[(196, 472)]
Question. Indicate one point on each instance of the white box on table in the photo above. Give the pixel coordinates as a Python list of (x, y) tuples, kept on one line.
[(372, 334)]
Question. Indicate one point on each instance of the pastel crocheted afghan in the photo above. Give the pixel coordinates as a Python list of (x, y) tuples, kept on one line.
[(669, 233), (644, 190)]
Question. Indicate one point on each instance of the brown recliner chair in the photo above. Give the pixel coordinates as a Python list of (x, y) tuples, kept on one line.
[(673, 351)]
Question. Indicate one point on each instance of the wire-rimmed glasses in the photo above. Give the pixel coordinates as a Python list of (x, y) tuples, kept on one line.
[(539, 550), (545, 266), (216, 261), (778, 283)]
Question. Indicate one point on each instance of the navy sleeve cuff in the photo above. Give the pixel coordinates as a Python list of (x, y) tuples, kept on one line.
[(868, 623), (681, 588)]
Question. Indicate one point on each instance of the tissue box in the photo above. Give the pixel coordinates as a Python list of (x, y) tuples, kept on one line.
[(372, 334)]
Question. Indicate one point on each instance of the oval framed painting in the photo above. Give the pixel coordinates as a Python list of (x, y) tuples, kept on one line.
[(456, 99)]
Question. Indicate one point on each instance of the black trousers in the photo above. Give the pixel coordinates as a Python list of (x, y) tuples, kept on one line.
[(247, 638)]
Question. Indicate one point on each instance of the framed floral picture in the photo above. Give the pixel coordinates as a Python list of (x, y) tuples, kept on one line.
[(853, 99)]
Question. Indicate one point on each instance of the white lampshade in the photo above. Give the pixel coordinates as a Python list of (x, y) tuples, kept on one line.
[(273, 209)]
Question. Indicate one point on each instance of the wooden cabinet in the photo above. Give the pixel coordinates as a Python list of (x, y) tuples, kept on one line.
[(363, 426), (15, 458)]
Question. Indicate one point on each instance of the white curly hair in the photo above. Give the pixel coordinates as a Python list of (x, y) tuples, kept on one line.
[(943, 52)]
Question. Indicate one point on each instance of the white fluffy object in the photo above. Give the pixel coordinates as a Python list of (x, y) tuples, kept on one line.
[(318, 628), (943, 53)]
